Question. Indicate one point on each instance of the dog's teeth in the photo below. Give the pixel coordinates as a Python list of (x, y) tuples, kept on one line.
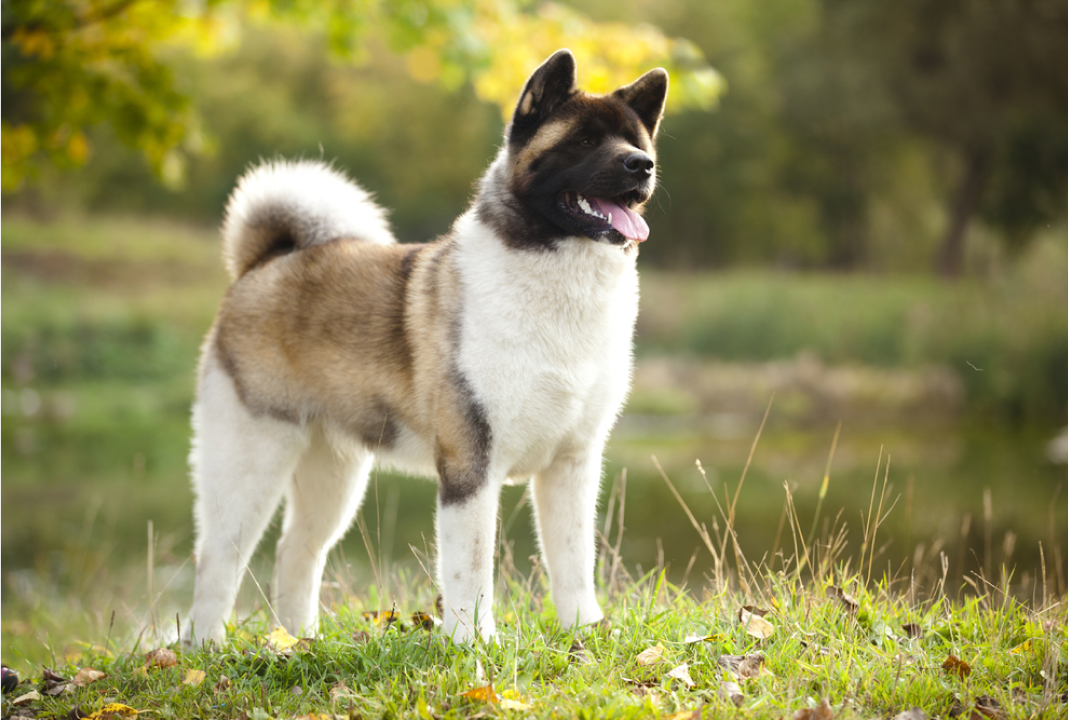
[(586, 208), (609, 218)]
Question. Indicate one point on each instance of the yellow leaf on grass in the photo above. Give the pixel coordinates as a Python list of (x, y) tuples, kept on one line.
[(484, 693), (113, 710), (383, 618), (512, 700), (280, 640), (651, 656), (194, 677)]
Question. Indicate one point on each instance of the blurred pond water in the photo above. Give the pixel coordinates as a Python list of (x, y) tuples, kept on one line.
[(67, 537)]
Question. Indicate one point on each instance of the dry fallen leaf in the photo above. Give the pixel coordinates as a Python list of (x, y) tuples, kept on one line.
[(27, 698), (820, 712), (194, 677), (988, 706), (341, 690), (578, 653), (54, 683), (650, 656), (845, 598), (746, 666), (753, 622), (715, 637), (955, 666), (682, 673), (161, 658), (913, 714), (87, 675), (223, 685), (694, 714), (484, 693), (913, 631), (729, 690), (424, 620)]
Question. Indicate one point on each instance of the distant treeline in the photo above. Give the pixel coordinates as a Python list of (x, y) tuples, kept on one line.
[(874, 135)]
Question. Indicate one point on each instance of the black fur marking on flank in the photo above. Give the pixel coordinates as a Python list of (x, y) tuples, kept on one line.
[(463, 476), (460, 481)]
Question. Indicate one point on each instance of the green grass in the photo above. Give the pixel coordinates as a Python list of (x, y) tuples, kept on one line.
[(885, 654)]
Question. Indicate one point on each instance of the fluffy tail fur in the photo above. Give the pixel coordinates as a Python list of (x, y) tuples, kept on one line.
[(282, 206)]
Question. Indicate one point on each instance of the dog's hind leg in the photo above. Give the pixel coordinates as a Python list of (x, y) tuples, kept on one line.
[(240, 464), (321, 501), (565, 504)]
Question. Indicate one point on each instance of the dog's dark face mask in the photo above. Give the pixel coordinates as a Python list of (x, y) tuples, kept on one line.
[(585, 165)]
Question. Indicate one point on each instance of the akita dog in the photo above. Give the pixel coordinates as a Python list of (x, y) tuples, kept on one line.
[(501, 351)]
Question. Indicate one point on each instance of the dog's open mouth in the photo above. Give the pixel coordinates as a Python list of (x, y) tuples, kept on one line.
[(600, 216)]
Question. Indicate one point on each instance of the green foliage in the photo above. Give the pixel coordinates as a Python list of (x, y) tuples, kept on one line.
[(70, 65), (986, 82)]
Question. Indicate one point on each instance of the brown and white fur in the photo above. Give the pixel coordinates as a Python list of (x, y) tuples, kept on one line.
[(502, 351)]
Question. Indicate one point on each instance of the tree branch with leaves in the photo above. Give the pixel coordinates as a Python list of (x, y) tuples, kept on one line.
[(71, 64)]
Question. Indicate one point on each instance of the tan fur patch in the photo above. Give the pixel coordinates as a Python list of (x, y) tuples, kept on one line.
[(548, 136), (357, 335)]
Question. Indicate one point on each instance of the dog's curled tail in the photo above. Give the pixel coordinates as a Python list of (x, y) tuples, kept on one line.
[(282, 205)]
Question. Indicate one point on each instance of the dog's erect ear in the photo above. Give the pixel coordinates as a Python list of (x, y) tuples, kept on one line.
[(646, 96), (550, 85)]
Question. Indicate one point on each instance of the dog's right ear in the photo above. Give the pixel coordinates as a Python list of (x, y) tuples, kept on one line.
[(550, 85)]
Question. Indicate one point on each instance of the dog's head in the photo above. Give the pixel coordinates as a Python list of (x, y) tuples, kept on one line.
[(582, 165)]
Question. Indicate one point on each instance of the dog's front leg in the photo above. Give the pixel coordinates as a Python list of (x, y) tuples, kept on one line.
[(565, 502), (467, 531)]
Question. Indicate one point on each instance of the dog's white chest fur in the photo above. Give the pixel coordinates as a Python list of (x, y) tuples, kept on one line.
[(550, 361)]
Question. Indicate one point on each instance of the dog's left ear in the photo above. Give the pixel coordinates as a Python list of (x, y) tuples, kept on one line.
[(646, 96)]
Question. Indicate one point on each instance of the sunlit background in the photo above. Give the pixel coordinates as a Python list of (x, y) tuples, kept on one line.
[(855, 293)]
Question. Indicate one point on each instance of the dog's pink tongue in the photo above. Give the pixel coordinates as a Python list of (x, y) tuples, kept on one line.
[(629, 223)]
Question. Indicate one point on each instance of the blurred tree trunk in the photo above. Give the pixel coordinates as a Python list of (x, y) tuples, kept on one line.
[(950, 261)]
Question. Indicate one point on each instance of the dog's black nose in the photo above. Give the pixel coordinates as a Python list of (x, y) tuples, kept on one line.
[(638, 163)]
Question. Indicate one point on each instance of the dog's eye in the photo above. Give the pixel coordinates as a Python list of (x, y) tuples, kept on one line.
[(585, 142)]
